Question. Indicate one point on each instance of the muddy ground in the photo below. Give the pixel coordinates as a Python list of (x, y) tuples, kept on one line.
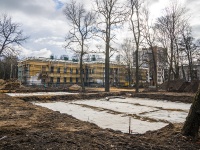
[(26, 126)]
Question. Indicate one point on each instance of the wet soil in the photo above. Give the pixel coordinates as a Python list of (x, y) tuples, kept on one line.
[(26, 126)]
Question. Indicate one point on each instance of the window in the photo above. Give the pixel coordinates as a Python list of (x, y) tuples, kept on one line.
[(43, 68), (71, 80), (76, 80), (111, 71), (76, 71), (116, 71), (58, 80), (51, 80), (65, 80), (52, 69), (71, 70), (93, 71), (58, 70), (65, 70)]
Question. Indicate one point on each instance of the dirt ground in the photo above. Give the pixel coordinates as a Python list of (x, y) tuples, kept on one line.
[(26, 126)]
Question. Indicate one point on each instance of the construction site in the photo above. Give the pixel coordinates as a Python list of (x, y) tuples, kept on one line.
[(99, 75), (36, 117), (45, 108)]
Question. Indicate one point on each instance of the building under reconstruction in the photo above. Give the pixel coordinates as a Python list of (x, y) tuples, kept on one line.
[(49, 71)]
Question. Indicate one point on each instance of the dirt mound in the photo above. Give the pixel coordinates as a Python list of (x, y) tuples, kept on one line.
[(192, 87), (75, 87), (171, 135), (11, 84), (180, 86), (2, 82)]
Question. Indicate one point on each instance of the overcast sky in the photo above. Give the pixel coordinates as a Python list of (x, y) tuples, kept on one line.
[(45, 23)]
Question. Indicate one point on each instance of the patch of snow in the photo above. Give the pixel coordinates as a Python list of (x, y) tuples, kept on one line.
[(171, 116), (162, 111), (103, 119), (38, 94), (154, 103), (115, 106)]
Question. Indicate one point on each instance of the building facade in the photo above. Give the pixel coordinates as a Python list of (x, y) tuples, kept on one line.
[(185, 74), (57, 71), (146, 61)]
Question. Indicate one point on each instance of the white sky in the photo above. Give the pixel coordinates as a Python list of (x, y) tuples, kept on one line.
[(45, 23)]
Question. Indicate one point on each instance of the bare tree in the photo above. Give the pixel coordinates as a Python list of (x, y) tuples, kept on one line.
[(10, 35), (111, 14), (135, 18), (170, 25), (150, 39), (127, 56), (189, 48), (8, 67), (82, 23)]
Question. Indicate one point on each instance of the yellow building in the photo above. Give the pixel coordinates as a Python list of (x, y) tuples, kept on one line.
[(60, 72)]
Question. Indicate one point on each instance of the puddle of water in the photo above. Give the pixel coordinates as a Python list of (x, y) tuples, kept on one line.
[(38, 94)]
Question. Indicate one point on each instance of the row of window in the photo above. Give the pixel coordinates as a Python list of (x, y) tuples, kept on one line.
[(64, 80), (90, 71), (64, 71)]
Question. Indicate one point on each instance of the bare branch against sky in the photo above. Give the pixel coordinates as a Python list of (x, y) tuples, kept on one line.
[(44, 22)]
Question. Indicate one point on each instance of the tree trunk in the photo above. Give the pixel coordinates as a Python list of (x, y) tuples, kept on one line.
[(81, 70), (11, 70), (191, 69), (155, 67), (170, 67), (137, 71), (183, 72), (107, 60), (191, 125), (107, 70), (129, 76), (176, 74)]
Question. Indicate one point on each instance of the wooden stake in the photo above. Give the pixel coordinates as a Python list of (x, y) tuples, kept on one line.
[(129, 125)]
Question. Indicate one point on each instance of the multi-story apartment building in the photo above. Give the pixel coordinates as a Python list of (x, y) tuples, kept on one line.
[(185, 74), (146, 61), (54, 71)]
